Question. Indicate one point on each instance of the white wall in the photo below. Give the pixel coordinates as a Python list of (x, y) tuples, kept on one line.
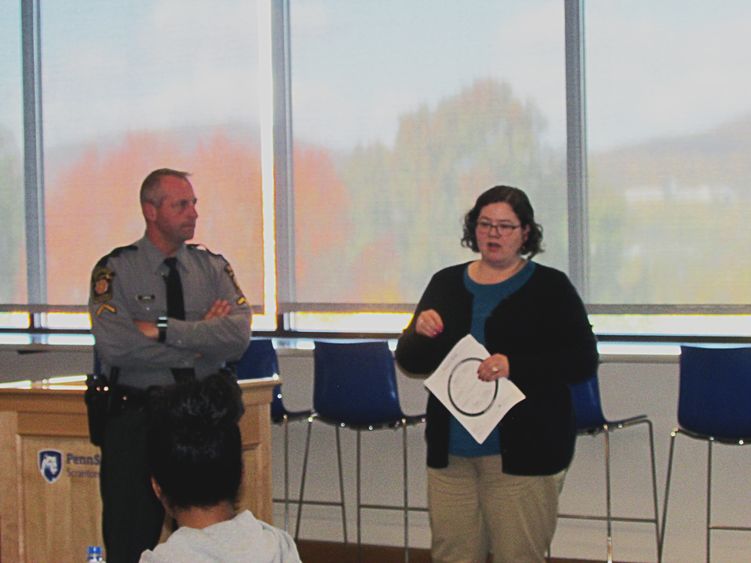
[(628, 388)]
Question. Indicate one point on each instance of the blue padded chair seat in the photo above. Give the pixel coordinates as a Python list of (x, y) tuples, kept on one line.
[(405, 420), (713, 406), (714, 394), (590, 419), (355, 386), (260, 360)]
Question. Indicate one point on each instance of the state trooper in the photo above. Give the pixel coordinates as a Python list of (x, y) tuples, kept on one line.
[(156, 322)]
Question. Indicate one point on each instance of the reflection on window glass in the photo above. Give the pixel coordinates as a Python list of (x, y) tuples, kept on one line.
[(66, 321), (669, 121), (673, 325), (404, 112), (15, 320), (13, 239), (173, 84), (390, 323)]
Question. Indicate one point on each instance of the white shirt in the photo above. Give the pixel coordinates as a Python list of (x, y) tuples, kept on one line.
[(242, 539)]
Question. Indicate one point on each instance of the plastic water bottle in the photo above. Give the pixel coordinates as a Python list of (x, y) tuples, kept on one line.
[(94, 554)]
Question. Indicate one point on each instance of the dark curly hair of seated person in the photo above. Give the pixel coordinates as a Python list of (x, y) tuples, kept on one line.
[(194, 447)]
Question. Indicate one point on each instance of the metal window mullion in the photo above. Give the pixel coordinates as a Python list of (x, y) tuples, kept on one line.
[(576, 144), (36, 262), (283, 171)]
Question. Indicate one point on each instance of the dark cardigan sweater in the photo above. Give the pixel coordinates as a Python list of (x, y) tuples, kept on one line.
[(544, 331)]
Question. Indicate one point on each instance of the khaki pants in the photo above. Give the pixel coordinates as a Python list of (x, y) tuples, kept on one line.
[(475, 507)]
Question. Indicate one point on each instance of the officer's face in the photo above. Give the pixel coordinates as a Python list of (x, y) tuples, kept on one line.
[(175, 218)]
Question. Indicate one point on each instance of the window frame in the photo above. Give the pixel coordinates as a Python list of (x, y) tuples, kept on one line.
[(278, 212)]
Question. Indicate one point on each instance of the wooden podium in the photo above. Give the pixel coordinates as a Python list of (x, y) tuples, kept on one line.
[(50, 508)]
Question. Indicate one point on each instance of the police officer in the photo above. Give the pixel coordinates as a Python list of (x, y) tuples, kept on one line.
[(162, 311)]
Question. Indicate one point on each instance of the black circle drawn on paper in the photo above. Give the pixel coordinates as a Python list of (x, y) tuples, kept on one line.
[(451, 398)]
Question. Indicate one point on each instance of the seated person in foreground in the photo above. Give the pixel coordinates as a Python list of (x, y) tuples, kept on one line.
[(195, 459)]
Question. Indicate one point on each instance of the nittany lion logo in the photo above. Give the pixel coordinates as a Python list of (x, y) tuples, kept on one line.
[(50, 464)]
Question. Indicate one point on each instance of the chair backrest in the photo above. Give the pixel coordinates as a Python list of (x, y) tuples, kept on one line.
[(260, 360), (355, 383), (715, 391), (585, 397)]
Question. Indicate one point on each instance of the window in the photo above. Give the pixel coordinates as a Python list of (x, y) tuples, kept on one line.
[(669, 132), (164, 87), (403, 113), (669, 136), (391, 118), (13, 240)]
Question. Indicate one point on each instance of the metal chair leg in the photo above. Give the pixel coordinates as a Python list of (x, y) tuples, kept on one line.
[(667, 494), (302, 480), (709, 497), (653, 472), (341, 484), (609, 518), (359, 498), (285, 424), (608, 499), (404, 508), (301, 499), (406, 493), (654, 488)]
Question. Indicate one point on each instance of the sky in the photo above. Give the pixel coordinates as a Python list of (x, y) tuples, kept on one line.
[(653, 68), (664, 68), (157, 64), (10, 68), (367, 63)]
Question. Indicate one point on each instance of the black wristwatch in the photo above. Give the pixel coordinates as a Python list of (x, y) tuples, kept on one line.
[(161, 324)]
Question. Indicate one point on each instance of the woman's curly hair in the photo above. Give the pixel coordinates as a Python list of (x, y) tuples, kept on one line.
[(519, 202)]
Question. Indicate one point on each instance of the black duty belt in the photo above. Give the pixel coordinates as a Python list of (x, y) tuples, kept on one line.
[(126, 398)]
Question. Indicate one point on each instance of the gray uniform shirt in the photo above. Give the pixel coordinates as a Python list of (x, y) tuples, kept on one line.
[(129, 284)]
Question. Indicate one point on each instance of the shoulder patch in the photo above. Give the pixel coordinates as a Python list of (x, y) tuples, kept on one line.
[(227, 268), (231, 273), (101, 289)]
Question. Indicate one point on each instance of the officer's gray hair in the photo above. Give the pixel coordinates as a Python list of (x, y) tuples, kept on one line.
[(150, 186)]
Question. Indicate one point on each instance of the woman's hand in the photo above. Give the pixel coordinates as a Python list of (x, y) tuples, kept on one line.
[(429, 323), (494, 367)]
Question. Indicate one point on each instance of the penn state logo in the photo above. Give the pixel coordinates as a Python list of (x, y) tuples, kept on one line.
[(50, 464)]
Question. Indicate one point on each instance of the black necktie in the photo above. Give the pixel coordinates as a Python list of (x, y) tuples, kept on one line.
[(175, 303), (176, 310)]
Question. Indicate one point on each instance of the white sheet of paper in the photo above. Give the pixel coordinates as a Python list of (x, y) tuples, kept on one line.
[(478, 405)]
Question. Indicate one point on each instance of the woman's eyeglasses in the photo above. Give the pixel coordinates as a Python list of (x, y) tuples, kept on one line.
[(501, 228)]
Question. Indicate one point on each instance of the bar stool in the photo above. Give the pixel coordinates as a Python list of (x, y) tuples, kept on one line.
[(714, 405), (260, 360), (355, 387), (591, 421)]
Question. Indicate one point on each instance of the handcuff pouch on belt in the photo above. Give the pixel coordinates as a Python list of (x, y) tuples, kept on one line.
[(98, 399)]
